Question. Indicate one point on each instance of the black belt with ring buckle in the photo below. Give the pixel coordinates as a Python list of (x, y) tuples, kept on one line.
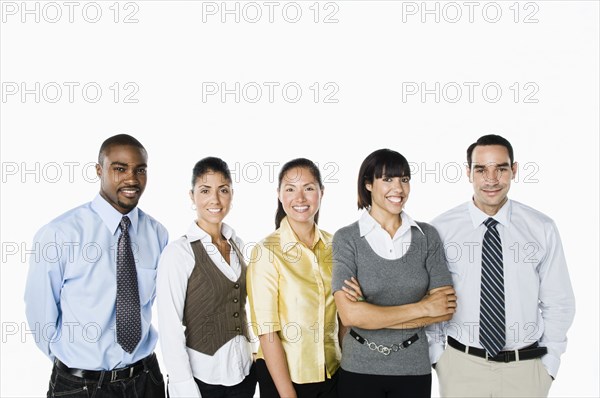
[(385, 350)]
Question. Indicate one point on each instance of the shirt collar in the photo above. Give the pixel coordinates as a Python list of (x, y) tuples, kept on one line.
[(111, 217), (195, 233), (503, 215), (367, 223), (289, 240)]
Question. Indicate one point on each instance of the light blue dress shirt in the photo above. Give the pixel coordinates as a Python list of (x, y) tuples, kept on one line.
[(71, 286)]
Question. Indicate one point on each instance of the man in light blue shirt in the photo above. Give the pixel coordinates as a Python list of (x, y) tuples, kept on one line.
[(73, 292)]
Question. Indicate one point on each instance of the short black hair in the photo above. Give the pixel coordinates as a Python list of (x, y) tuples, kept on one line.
[(119, 139), (490, 139), (302, 163), (376, 165), (208, 164)]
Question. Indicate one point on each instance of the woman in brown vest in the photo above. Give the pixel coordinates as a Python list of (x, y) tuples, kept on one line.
[(201, 297), (289, 289)]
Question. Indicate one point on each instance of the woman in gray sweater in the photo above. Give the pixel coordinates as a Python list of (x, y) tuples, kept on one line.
[(390, 279)]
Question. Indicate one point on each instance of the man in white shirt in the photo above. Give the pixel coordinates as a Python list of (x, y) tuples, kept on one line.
[(515, 300)]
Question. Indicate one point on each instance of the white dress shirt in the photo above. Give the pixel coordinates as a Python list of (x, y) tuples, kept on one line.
[(232, 362), (539, 299), (380, 240)]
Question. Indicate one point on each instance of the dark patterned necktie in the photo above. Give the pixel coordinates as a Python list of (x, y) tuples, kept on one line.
[(492, 319), (129, 326)]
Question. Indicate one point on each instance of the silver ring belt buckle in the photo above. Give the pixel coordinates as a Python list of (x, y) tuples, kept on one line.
[(380, 347)]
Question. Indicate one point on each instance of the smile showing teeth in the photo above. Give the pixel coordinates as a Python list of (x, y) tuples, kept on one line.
[(214, 211), (394, 199), (300, 209), (129, 192)]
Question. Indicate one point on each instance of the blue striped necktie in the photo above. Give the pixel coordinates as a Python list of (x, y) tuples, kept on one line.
[(492, 318)]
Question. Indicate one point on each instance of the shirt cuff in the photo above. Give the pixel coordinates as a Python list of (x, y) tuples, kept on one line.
[(551, 363), (184, 389), (435, 352)]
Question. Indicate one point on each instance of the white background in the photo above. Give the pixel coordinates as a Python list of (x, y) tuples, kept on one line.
[(375, 49)]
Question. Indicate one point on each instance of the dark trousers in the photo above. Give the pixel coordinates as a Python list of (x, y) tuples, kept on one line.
[(359, 385), (245, 389), (323, 389), (148, 384)]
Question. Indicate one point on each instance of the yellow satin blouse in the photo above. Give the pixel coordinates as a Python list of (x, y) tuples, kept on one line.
[(289, 291)]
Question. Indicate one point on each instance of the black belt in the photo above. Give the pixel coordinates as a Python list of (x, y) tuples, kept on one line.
[(385, 350), (117, 374), (530, 352)]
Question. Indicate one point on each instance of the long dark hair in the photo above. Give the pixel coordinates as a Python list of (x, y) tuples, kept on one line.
[(302, 163)]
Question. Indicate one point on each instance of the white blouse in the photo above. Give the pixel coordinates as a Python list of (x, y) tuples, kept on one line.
[(380, 240)]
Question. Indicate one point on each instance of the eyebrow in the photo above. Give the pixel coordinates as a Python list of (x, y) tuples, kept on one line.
[(209, 186), (479, 166), (288, 184), (127, 165)]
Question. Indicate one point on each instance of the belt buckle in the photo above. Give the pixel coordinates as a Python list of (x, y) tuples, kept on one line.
[(114, 374), (502, 356)]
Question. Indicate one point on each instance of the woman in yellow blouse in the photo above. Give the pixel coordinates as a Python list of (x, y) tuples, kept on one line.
[(289, 290)]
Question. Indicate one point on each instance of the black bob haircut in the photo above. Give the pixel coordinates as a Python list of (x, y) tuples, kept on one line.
[(383, 162)]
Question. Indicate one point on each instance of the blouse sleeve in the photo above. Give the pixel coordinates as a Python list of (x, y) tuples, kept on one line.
[(171, 287), (262, 281)]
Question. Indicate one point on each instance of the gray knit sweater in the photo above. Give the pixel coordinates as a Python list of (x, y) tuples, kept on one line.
[(386, 283)]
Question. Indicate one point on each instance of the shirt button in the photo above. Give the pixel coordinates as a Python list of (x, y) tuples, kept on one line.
[(235, 300), (237, 286), (236, 314)]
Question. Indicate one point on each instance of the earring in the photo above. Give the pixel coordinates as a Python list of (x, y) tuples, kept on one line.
[(194, 206)]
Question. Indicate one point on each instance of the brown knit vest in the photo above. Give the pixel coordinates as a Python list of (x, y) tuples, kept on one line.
[(215, 307)]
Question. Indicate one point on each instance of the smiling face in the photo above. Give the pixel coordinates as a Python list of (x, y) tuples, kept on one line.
[(212, 194), (388, 196), (491, 174), (122, 176), (300, 195)]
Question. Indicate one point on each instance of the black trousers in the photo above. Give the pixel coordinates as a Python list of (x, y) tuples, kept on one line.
[(147, 384), (245, 389), (323, 389), (359, 385)]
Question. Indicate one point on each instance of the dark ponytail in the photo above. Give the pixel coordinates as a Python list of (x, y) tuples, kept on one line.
[(301, 163), (210, 164)]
